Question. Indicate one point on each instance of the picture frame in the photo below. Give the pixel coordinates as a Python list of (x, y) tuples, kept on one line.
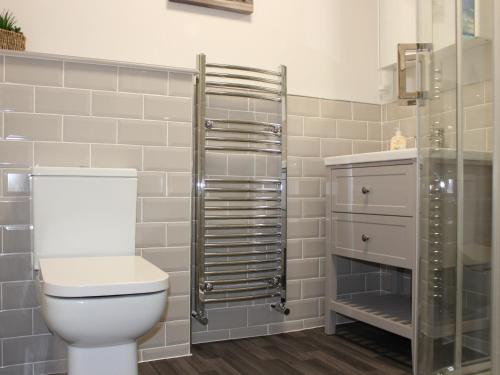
[(469, 18), (239, 6), (476, 21)]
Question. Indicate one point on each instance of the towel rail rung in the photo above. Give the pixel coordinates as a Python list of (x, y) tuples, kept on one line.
[(241, 217), (241, 271), (245, 298), (242, 208), (242, 235), (241, 190), (243, 131), (241, 281), (241, 226), (243, 68), (241, 262), (244, 149), (242, 140), (243, 77), (243, 94), (237, 199), (244, 181), (242, 289), (245, 122), (241, 86), (242, 253), (221, 245)]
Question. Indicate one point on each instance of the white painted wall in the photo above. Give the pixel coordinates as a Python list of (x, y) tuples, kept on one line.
[(398, 24), (329, 46)]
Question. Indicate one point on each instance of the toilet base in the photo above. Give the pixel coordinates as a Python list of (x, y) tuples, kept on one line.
[(103, 360)]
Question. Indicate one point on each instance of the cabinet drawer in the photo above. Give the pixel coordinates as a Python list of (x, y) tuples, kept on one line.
[(384, 190), (381, 239)]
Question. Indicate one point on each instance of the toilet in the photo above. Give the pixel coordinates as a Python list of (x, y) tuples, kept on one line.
[(95, 293)]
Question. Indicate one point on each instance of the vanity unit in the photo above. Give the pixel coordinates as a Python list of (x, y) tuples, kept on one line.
[(372, 217)]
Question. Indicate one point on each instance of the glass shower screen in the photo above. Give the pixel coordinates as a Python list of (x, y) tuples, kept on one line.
[(455, 153)]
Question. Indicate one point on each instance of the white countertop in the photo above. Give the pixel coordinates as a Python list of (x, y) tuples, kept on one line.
[(409, 153)]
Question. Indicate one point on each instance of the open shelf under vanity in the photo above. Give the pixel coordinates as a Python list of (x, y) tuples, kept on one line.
[(391, 312)]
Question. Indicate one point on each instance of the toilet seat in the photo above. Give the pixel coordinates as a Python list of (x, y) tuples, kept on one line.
[(101, 276)]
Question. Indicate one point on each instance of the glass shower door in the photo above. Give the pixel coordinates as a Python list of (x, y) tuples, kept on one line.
[(455, 128)]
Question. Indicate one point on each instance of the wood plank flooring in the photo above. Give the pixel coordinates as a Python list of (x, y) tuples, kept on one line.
[(357, 349)]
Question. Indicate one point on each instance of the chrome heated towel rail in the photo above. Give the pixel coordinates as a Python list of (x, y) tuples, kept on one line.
[(239, 222)]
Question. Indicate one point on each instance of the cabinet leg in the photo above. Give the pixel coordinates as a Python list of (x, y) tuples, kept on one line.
[(414, 319), (330, 322), (414, 356)]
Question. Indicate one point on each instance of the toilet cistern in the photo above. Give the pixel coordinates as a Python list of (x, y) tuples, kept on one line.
[(96, 294)]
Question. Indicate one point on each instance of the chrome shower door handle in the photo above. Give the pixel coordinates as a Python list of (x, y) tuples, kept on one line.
[(403, 49)]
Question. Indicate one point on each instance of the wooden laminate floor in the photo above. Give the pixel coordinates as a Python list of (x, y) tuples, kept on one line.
[(357, 349)]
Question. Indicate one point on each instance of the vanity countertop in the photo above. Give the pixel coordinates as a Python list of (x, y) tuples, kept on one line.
[(369, 157)]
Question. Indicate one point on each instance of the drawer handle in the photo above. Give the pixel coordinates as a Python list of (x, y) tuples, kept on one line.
[(365, 238), (365, 190)]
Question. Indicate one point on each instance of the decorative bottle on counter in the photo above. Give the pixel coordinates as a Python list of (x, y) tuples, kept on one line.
[(398, 141)]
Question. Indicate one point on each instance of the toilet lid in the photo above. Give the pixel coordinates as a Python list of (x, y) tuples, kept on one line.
[(101, 276)]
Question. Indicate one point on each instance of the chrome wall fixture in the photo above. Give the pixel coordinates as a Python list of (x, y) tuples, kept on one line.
[(239, 222), (403, 60)]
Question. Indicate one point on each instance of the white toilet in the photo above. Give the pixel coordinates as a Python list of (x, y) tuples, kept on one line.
[(95, 293)]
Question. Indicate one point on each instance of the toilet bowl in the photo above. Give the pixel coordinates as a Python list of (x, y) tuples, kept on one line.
[(95, 293), (100, 306)]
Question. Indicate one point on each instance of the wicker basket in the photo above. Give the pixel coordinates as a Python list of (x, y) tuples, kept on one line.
[(12, 40)]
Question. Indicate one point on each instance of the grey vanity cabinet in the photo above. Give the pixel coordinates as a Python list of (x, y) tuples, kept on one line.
[(372, 213), (377, 190), (374, 238)]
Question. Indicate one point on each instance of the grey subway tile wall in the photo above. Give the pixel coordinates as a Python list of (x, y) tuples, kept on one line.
[(33, 72), (366, 112), (477, 118), (18, 98), (143, 81), (167, 108), (116, 156), (34, 126), (89, 129), (336, 109), (119, 105), (135, 132), (179, 84), (90, 76), (62, 101), (66, 113)]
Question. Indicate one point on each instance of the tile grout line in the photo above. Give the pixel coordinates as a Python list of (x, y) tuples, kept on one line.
[(63, 73), (117, 83), (62, 127)]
